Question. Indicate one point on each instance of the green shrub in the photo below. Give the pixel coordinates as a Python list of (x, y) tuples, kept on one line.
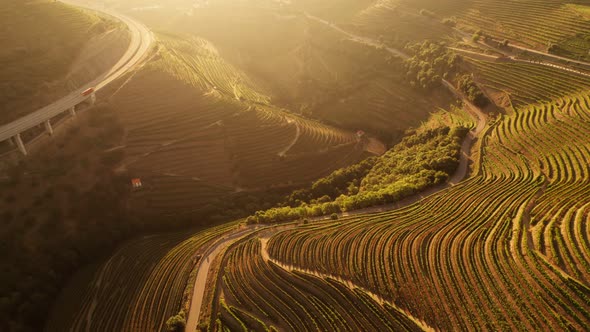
[(431, 61), (419, 161), (472, 91), (176, 324)]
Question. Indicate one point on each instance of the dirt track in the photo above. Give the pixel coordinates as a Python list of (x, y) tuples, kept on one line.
[(295, 139), (203, 272)]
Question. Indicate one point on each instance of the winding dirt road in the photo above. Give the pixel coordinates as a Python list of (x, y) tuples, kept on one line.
[(203, 272), (283, 152)]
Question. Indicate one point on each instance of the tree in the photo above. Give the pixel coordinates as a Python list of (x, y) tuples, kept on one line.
[(251, 220), (176, 323), (334, 216), (472, 91)]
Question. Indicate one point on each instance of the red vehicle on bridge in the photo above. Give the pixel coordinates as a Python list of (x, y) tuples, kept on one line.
[(87, 92)]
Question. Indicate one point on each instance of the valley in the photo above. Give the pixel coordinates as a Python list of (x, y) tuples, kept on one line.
[(352, 165)]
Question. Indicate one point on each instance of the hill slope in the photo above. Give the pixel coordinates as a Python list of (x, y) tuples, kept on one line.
[(459, 259), (560, 25), (506, 249), (218, 135), (303, 65), (45, 52)]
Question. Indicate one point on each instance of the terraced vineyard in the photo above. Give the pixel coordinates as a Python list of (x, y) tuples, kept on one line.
[(270, 148), (532, 23), (322, 72), (381, 104), (396, 21), (145, 280), (255, 287), (506, 249), (528, 83), (190, 55), (537, 22), (219, 135), (502, 250)]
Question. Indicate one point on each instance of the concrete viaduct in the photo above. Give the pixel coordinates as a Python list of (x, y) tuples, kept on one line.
[(12, 131), (141, 42)]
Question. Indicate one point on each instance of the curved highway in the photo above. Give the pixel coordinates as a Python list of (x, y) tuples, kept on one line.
[(141, 41)]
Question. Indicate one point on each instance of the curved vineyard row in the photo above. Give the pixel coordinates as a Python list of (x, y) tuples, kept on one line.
[(144, 280), (197, 61), (536, 23), (205, 144), (506, 249), (529, 83), (258, 291)]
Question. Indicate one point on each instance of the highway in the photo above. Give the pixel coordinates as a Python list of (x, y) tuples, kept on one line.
[(141, 42)]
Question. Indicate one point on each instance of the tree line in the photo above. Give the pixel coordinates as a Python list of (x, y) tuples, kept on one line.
[(421, 160)]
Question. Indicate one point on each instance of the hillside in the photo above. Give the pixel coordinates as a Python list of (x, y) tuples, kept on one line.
[(558, 25), (60, 208), (561, 26), (515, 232), (304, 66), (505, 249), (173, 256), (354, 165), (50, 48), (219, 136)]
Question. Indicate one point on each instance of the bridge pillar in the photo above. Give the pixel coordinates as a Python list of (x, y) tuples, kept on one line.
[(73, 111), (48, 128), (93, 98), (20, 144)]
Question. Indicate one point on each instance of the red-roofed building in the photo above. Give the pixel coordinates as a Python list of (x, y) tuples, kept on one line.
[(136, 183)]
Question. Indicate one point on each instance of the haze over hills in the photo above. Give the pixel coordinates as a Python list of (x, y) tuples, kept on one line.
[(50, 48), (221, 135), (362, 165)]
